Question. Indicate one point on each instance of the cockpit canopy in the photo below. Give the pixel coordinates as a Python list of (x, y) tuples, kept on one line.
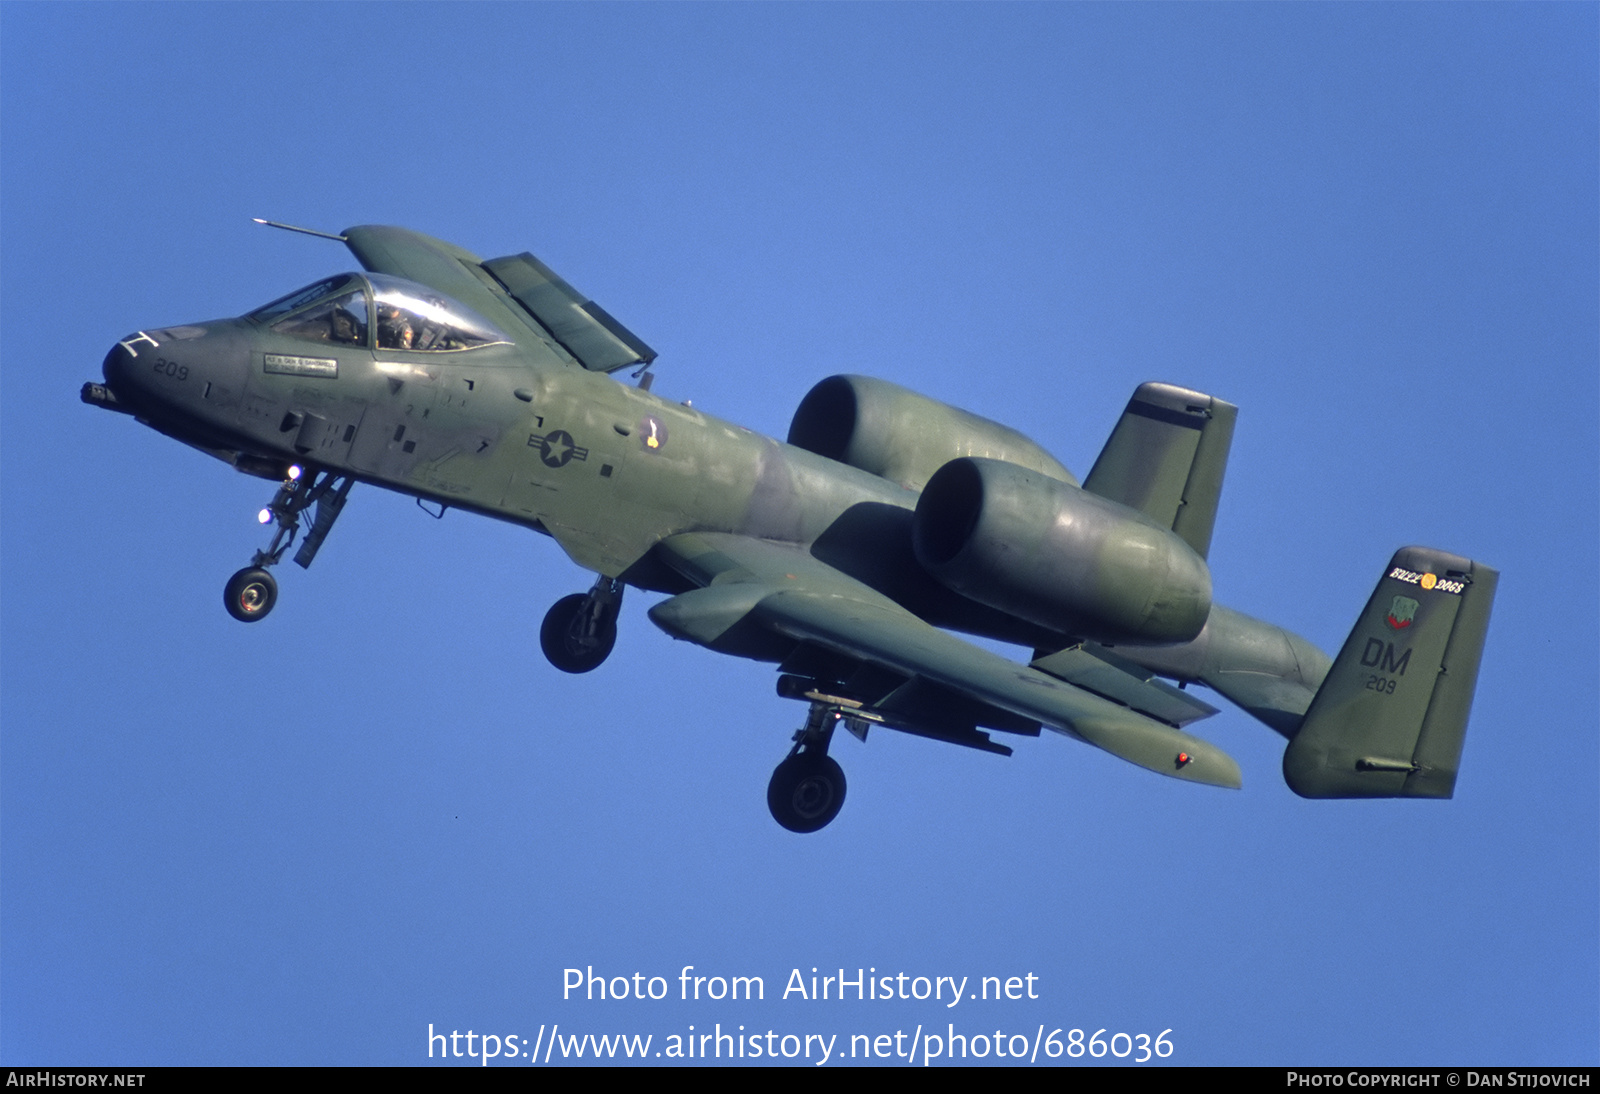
[(362, 309)]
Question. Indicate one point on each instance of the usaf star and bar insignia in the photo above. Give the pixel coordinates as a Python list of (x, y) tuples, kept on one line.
[(557, 448)]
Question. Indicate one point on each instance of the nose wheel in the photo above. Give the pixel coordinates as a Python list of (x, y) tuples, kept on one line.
[(579, 630), (251, 593)]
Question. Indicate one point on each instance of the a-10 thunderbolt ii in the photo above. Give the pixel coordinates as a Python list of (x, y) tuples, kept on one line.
[(846, 556)]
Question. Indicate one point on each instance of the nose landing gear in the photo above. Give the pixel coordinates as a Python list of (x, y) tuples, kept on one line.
[(251, 593), (579, 630), (807, 789)]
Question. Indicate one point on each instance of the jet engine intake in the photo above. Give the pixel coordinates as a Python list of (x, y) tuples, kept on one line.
[(1046, 551), (896, 434)]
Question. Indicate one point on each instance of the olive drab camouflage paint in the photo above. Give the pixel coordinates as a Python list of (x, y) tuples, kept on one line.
[(846, 556)]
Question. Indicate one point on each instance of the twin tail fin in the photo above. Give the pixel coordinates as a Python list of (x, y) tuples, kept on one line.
[(1391, 716)]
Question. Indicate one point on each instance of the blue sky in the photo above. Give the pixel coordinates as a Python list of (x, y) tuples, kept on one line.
[(1372, 227)]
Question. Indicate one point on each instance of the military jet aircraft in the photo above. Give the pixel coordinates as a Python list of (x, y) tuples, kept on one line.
[(847, 556)]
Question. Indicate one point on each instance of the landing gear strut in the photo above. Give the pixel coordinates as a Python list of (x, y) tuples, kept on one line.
[(251, 593), (807, 789), (579, 630)]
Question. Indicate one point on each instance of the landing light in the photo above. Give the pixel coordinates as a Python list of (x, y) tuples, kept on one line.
[(265, 516), (294, 473)]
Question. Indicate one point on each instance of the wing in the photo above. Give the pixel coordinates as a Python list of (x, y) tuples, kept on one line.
[(520, 294), (775, 602)]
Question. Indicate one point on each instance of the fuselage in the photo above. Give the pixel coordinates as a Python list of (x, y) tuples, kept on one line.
[(607, 469), (842, 556)]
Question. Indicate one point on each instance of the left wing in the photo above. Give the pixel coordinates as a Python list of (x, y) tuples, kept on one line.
[(519, 293), (775, 602)]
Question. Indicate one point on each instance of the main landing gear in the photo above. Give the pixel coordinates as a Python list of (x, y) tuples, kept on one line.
[(251, 593), (579, 630), (807, 789)]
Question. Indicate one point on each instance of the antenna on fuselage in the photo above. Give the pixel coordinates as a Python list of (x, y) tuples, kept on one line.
[(293, 228)]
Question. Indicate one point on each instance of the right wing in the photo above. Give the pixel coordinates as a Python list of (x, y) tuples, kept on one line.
[(776, 602)]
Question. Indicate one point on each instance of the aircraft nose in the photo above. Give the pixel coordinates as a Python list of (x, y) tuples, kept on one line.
[(124, 376), (115, 367), (118, 371)]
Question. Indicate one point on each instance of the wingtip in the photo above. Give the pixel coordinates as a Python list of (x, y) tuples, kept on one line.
[(1211, 766), (1162, 749)]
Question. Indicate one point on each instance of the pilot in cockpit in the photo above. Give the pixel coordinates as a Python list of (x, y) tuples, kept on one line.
[(394, 328), (343, 327)]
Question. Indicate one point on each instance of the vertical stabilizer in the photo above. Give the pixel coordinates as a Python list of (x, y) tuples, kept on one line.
[(1166, 458), (1390, 719)]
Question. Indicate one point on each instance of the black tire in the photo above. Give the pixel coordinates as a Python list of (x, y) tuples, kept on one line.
[(563, 641), (250, 594), (806, 792)]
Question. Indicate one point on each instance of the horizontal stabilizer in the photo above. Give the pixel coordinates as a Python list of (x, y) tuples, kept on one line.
[(1390, 719), (1269, 672), (1166, 458), (1095, 668)]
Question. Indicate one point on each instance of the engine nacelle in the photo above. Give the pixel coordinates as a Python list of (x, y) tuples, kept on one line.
[(896, 434), (1053, 554)]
